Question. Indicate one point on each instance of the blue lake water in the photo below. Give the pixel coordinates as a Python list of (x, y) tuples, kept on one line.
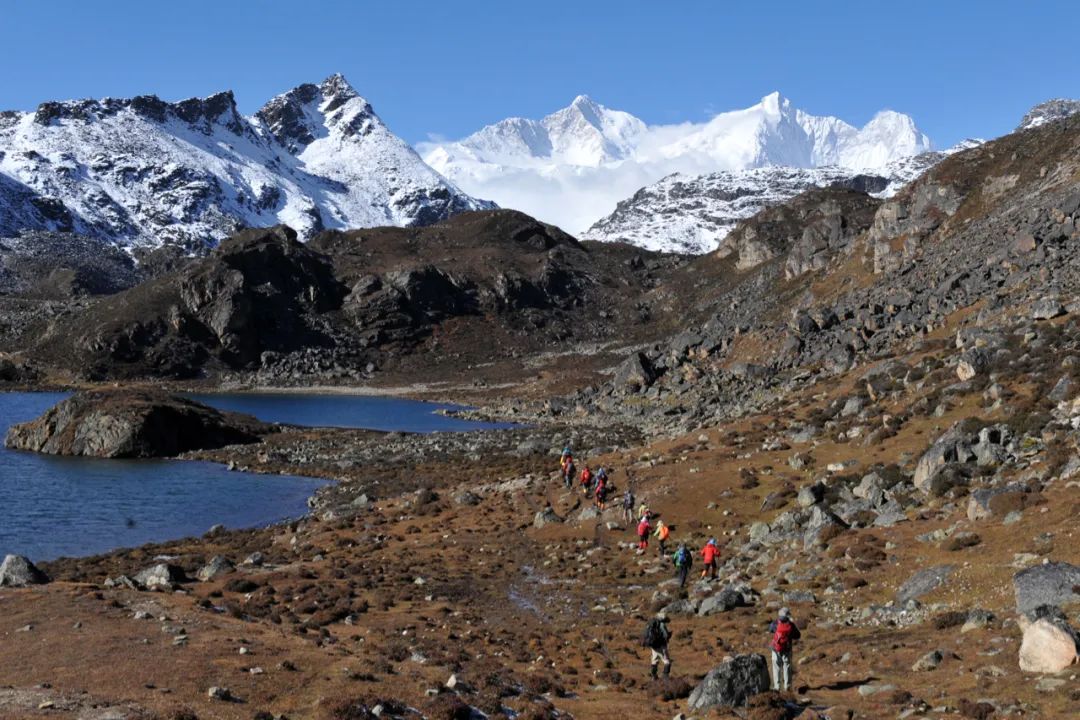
[(55, 506), (355, 411)]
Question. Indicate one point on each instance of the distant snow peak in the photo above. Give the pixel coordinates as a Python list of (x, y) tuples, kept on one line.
[(143, 171), (572, 166)]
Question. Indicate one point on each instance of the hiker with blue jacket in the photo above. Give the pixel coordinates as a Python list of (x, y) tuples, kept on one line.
[(784, 633), (683, 559)]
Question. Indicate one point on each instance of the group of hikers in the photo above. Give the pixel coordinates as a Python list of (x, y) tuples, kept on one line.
[(782, 631)]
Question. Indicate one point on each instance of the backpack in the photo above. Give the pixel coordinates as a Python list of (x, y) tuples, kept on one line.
[(655, 635), (683, 558), (781, 641)]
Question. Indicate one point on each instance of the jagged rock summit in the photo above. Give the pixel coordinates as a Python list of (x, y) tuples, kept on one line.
[(145, 172), (1048, 111)]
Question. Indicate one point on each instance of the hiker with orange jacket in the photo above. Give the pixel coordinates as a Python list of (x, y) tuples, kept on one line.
[(663, 532), (643, 530), (784, 634), (709, 554)]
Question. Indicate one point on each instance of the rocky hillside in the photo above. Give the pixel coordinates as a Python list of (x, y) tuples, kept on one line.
[(145, 172), (985, 242), (478, 287)]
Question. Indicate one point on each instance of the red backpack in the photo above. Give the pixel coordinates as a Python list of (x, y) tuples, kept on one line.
[(781, 641)]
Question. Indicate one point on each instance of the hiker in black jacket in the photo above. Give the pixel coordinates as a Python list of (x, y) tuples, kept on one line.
[(656, 638)]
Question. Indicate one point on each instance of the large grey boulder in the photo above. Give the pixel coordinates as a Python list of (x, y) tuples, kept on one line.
[(162, 576), (731, 682), (1052, 583), (635, 373), (218, 566), (923, 583), (17, 571), (726, 599), (952, 447)]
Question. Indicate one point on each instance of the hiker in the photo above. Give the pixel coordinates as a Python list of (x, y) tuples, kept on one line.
[(708, 554), (628, 506), (683, 559), (569, 471), (662, 533), (586, 480), (601, 494), (643, 510), (784, 634), (656, 638), (601, 474), (643, 530)]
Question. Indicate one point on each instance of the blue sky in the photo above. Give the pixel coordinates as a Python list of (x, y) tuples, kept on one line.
[(447, 68)]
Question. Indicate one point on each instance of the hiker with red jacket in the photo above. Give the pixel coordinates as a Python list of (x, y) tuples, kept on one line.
[(643, 530), (586, 480), (601, 494), (709, 554), (784, 634)]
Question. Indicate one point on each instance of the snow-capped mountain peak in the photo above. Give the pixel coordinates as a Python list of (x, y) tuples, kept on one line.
[(572, 166), (143, 171)]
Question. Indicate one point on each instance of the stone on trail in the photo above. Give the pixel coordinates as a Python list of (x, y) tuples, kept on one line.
[(1049, 644), (731, 682), (1052, 583), (17, 571)]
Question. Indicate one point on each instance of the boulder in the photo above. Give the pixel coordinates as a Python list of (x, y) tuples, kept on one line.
[(1047, 308), (973, 362), (726, 599), (810, 495), (1049, 645), (952, 447), (547, 516), (162, 576), (1052, 583), (218, 565), (981, 502), (635, 373), (731, 683), (17, 571), (133, 424), (923, 583)]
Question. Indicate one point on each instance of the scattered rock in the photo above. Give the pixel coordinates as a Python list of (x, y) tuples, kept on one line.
[(163, 577), (218, 565), (923, 583)]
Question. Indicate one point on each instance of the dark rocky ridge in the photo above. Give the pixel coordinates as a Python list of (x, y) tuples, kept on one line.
[(133, 424), (348, 301)]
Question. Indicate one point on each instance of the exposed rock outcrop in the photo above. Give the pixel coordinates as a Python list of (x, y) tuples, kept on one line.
[(133, 424)]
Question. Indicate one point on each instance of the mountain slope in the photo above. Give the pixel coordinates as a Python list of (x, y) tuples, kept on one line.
[(143, 172), (574, 165)]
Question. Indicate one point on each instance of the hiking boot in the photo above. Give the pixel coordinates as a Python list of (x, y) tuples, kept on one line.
[(652, 671)]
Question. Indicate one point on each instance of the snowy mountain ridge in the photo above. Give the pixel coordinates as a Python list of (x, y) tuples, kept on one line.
[(694, 213), (144, 172), (573, 166)]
